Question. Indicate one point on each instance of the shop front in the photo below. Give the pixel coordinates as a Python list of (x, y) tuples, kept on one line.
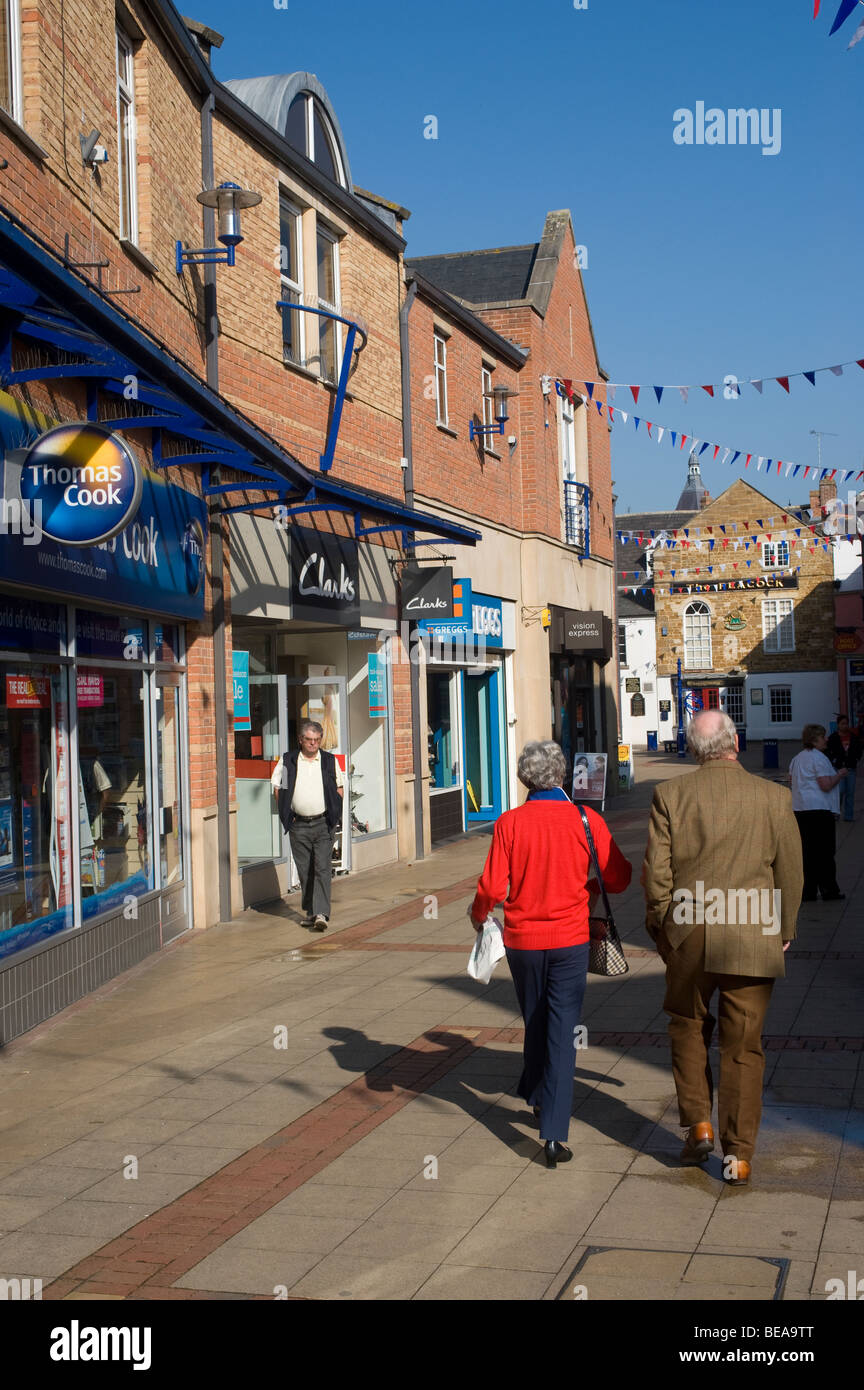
[(468, 669), (313, 619), (583, 710), (94, 818)]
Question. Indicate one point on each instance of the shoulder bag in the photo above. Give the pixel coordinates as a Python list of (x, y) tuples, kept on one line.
[(605, 952)]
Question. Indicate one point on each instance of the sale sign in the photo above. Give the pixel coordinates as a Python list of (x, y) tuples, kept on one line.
[(91, 690), (28, 692)]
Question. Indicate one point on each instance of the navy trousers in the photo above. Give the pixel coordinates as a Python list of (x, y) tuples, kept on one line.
[(550, 987)]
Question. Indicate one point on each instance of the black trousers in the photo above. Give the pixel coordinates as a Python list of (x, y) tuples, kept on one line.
[(312, 848), (817, 847), (550, 986)]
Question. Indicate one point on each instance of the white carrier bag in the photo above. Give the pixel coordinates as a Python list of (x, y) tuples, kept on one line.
[(488, 950)]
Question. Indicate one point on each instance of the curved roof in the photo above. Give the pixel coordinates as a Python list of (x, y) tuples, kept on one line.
[(271, 98)]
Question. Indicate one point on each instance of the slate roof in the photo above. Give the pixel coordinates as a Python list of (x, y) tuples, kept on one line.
[(629, 608), (481, 277)]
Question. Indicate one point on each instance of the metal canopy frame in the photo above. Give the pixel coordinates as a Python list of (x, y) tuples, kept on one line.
[(110, 353)]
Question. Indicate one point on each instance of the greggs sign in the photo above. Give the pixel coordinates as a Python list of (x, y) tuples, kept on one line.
[(84, 482)]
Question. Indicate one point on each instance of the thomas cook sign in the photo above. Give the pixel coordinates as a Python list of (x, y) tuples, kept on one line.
[(84, 481)]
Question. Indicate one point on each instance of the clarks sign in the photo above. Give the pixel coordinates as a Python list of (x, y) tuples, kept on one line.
[(325, 577), (427, 593)]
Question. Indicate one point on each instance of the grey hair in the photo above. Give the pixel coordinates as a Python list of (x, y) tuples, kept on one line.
[(541, 766), (309, 724), (716, 741)]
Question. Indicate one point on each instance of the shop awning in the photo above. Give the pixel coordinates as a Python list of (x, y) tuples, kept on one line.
[(46, 301)]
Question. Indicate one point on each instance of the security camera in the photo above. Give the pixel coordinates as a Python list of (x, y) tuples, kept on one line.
[(511, 440)]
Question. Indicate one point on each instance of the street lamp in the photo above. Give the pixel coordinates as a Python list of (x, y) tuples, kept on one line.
[(499, 395), (228, 200)]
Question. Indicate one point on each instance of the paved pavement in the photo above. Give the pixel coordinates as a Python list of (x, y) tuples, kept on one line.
[(261, 1112)]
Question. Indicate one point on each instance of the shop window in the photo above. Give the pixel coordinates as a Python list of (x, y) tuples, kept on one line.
[(256, 749), (114, 757), (781, 704), (126, 138), (733, 703), (369, 705), (36, 894), (443, 731), (697, 635), (778, 625), (10, 58), (441, 378)]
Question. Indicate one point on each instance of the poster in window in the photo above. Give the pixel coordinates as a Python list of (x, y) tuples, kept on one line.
[(322, 705), (589, 777), (757, 695), (8, 875)]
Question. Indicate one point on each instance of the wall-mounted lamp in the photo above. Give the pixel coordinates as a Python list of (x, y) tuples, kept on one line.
[(500, 396), (228, 200)]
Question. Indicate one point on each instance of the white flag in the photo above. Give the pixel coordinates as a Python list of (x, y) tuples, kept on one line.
[(661, 430), (623, 414), (758, 385), (726, 453), (857, 36), (610, 392), (838, 371), (685, 392)]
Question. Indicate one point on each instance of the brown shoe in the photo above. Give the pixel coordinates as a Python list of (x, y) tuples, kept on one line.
[(736, 1171), (698, 1144)]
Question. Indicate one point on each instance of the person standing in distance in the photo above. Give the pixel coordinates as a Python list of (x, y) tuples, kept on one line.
[(308, 785), (720, 829)]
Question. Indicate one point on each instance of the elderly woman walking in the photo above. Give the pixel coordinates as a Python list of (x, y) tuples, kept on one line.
[(816, 802), (539, 850)]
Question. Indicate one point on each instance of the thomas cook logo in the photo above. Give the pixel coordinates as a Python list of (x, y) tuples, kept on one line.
[(192, 546), (86, 481)]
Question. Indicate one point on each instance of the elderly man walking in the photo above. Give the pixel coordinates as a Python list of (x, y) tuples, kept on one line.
[(308, 784), (723, 882)]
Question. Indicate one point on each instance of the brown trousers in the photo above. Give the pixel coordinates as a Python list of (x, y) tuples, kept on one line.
[(742, 1005)]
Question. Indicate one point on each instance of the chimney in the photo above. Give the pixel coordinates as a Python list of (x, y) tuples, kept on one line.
[(205, 39)]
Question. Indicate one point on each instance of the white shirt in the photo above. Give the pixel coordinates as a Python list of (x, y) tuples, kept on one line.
[(308, 798), (807, 795)]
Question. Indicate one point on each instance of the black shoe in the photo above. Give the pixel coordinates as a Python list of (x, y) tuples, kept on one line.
[(556, 1153), (832, 897)]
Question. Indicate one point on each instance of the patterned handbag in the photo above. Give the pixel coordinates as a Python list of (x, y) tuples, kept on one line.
[(605, 952)]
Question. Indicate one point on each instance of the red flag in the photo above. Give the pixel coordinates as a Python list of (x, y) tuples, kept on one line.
[(709, 389), (816, 8), (710, 530), (636, 390), (568, 388), (747, 465), (648, 425), (860, 361), (684, 439), (746, 524), (779, 464), (716, 450), (784, 382)]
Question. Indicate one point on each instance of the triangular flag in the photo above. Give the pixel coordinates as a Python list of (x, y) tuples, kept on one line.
[(857, 36), (758, 385), (589, 387), (635, 393), (811, 377), (838, 371), (599, 405), (705, 446), (784, 380), (624, 416), (658, 392), (709, 389), (747, 465), (860, 362), (610, 391), (683, 441), (716, 450), (636, 420), (736, 455), (685, 392), (846, 8), (674, 435), (661, 430)]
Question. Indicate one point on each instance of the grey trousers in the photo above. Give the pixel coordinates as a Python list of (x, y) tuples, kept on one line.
[(312, 848)]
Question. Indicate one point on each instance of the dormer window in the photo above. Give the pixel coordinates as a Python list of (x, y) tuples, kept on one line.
[(308, 129)]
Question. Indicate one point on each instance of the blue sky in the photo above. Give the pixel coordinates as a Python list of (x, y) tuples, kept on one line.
[(703, 260)]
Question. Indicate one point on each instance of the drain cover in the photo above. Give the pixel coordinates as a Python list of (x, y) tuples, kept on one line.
[(611, 1273)]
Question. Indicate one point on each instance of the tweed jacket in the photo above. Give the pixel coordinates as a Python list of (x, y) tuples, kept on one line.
[(726, 830)]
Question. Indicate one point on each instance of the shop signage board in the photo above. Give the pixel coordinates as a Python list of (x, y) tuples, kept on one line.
[(714, 586), (632, 685), (427, 593), (485, 623), (155, 562), (583, 631), (846, 642), (856, 668), (325, 577), (625, 766), (242, 713), (377, 675), (83, 481)]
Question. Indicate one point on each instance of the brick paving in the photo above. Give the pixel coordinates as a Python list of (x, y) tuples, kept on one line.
[(302, 1168)]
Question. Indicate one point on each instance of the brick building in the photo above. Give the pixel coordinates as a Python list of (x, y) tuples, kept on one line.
[(541, 494), (121, 617)]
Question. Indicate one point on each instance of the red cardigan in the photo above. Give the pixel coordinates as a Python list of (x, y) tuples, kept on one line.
[(540, 850)]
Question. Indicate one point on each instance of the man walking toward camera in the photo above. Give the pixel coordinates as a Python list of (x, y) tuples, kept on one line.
[(723, 881), (308, 784)]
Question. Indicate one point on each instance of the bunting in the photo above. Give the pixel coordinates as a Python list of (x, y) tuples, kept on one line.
[(730, 387)]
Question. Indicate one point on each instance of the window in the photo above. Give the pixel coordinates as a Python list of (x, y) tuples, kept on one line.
[(488, 409), (781, 704), (126, 138), (567, 438), (778, 625), (622, 644), (329, 332), (441, 378), (577, 515), (775, 555), (697, 635), (733, 703), (308, 129), (10, 58), (291, 270)]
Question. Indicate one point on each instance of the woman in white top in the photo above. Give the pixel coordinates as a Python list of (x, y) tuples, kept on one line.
[(816, 803)]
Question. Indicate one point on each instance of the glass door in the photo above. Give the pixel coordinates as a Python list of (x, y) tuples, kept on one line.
[(169, 826), (481, 706), (326, 702)]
